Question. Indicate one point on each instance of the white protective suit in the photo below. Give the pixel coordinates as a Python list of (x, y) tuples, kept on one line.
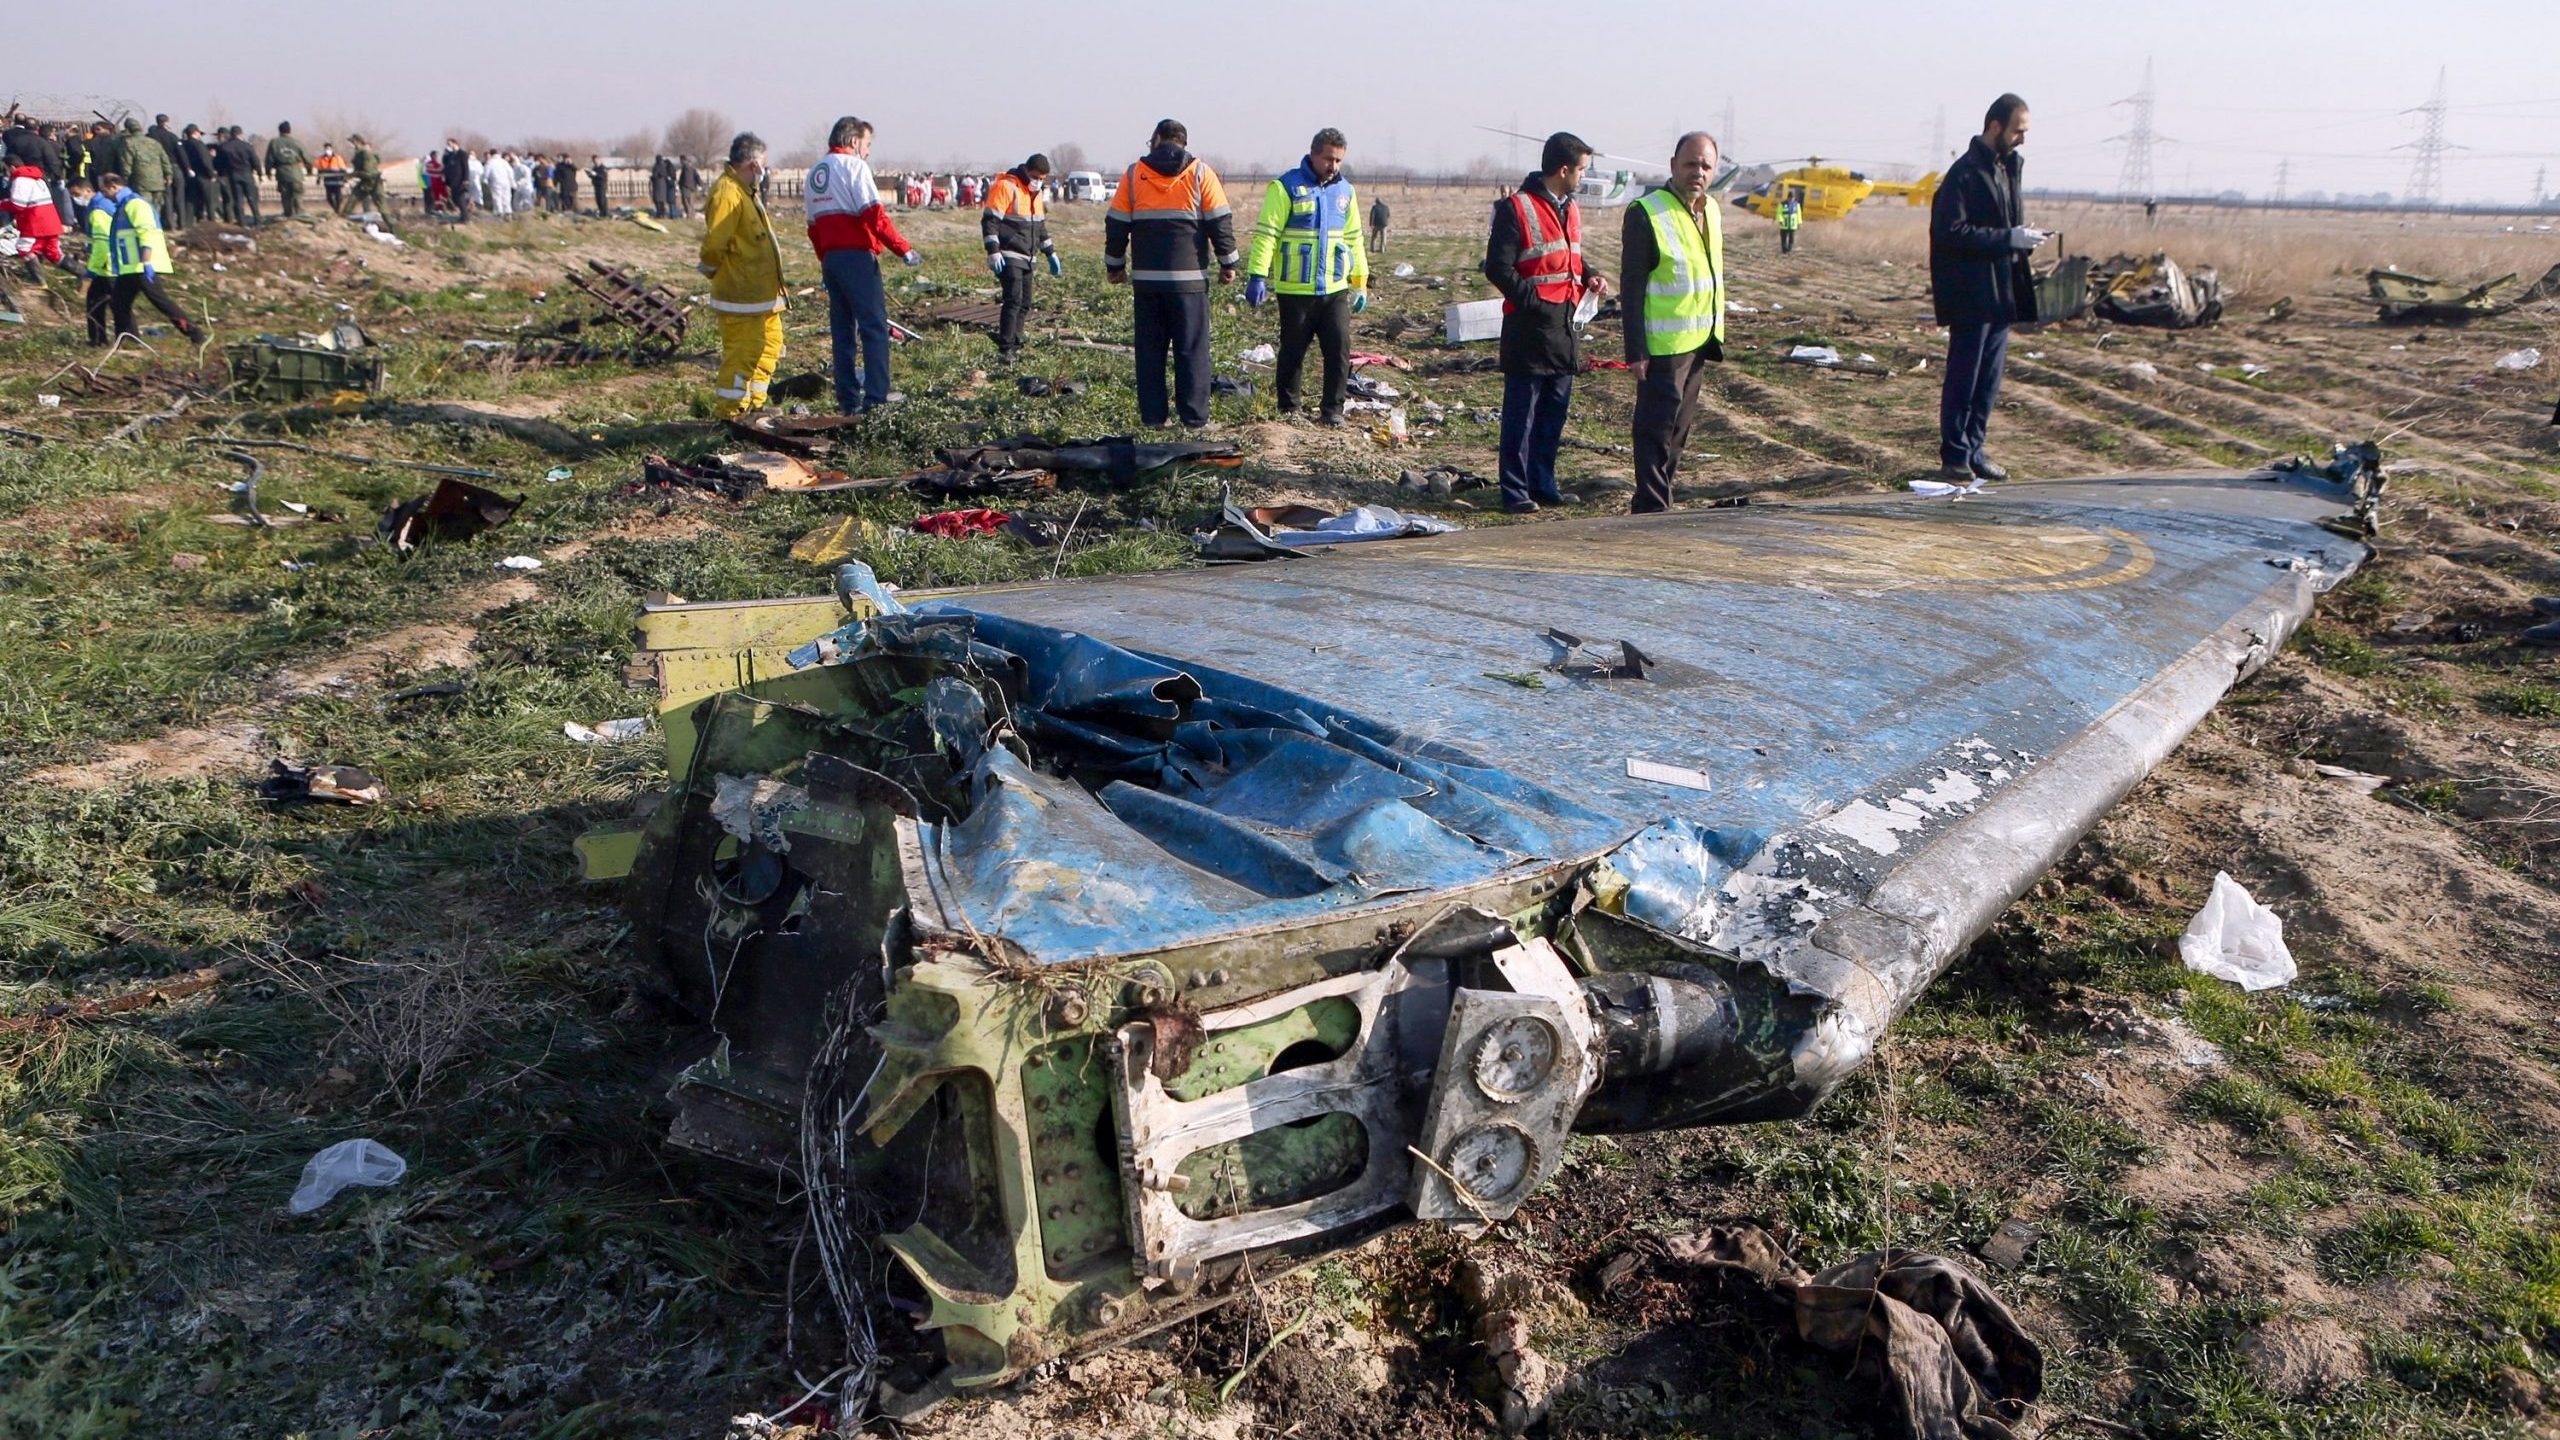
[(502, 186), (523, 169)]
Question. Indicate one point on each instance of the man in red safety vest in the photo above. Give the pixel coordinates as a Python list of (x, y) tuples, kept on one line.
[(1534, 257)]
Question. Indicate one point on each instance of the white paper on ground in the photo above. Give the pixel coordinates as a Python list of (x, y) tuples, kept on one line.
[(519, 562), (1941, 489), (2237, 939), (349, 1162), (2524, 359)]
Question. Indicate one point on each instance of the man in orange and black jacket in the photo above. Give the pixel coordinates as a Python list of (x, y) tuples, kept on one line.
[(1015, 226), (1167, 223)]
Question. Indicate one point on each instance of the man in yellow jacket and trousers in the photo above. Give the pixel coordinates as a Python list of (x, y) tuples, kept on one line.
[(745, 265)]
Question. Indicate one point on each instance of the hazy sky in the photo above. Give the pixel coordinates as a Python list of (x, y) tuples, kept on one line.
[(2241, 85)]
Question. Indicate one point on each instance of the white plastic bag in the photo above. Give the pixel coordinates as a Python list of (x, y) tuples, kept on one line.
[(2524, 359), (2237, 939), (349, 1162)]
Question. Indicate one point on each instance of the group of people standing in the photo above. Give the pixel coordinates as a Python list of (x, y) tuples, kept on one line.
[(187, 175), (458, 180)]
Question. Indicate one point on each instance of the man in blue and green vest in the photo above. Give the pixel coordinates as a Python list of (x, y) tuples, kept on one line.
[(1673, 241), (97, 221), (1307, 248), (139, 253)]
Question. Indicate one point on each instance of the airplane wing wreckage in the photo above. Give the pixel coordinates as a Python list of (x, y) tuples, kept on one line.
[(1073, 944)]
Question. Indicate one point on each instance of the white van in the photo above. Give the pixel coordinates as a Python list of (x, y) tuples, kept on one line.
[(1083, 185)]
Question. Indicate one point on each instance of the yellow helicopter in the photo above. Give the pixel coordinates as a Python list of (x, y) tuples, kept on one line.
[(1827, 192)]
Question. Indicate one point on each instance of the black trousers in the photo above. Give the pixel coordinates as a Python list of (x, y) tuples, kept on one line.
[(131, 287), (1174, 324), (1666, 407), (600, 205), (244, 198), (100, 304), (1015, 285), (166, 200), (1976, 357), (1326, 320), (199, 199), (1786, 242)]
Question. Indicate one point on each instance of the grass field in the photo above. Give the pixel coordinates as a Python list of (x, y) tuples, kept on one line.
[(2326, 1210)]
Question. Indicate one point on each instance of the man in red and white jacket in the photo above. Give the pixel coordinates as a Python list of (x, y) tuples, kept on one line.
[(28, 204), (849, 228)]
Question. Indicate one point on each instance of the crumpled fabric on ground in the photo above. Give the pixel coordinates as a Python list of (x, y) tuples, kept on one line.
[(962, 524), (1956, 1361)]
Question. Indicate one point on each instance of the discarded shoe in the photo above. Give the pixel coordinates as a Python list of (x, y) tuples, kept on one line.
[(1984, 469)]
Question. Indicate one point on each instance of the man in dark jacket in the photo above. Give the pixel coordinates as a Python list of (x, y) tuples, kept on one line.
[(201, 185), (177, 215), (237, 159), (1542, 278), (457, 178), (1982, 283), (1167, 224), (1378, 224), (27, 145), (597, 173)]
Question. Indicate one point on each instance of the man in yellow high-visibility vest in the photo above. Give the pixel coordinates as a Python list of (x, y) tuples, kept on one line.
[(1673, 280)]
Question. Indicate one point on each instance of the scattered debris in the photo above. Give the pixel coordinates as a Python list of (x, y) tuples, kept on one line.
[(2422, 299), (653, 314), (454, 510), (1261, 355), (1946, 489), (961, 524), (2360, 781), (607, 732), (2008, 1245), (349, 1162), (292, 784), (1365, 522), (1948, 1353), (1029, 463), (2237, 939), (985, 314), (1469, 321), (276, 371), (151, 993), (520, 562), (2524, 359), (2157, 293)]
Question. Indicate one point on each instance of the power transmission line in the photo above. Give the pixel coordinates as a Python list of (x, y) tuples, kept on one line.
[(1937, 141), (2134, 183), (1725, 137), (2426, 172), (2284, 171)]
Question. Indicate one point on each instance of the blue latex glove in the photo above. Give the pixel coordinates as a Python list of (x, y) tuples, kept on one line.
[(1256, 290), (1359, 301), (1056, 267), (995, 262), (912, 258), (150, 274)]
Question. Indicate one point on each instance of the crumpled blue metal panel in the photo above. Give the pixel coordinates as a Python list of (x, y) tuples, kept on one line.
[(1227, 806), (1857, 676)]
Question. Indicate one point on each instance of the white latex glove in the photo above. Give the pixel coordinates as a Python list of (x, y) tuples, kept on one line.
[(2027, 237)]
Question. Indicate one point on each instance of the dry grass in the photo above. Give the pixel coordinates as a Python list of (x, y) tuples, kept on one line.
[(411, 1018), (2262, 255)]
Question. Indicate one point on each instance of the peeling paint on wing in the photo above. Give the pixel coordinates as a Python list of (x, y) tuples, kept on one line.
[(1878, 827)]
